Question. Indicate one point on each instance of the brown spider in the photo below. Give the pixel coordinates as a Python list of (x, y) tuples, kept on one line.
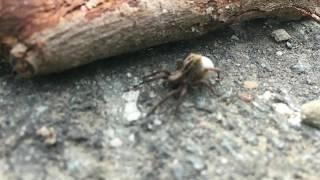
[(193, 71)]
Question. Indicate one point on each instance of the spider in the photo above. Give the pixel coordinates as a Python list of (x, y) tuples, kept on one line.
[(193, 71)]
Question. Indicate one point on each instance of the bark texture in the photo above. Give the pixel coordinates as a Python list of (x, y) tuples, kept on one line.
[(46, 36)]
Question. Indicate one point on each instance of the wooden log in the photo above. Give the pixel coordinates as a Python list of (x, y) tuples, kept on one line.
[(46, 36)]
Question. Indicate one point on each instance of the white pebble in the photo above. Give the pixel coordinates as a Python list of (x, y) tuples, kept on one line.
[(132, 137), (131, 111), (129, 75), (279, 53), (116, 142), (267, 96), (282, 108)]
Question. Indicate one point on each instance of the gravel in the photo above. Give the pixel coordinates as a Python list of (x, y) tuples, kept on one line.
[(100, 132)]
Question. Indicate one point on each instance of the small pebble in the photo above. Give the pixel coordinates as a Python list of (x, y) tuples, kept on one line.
[(279, 53), (289, 45), (131, 111), (132, 137), (40, 110), (317, 10), (310, 113), (282, 108), (129, 75), (266, 96), (49, 135), (196, 162), (235, 38), (299, 68), (152, 94), (19, 50), (246, 97), (278, 143), (92, 4), (250, 138), (250, 84), (269, 49), (150, 127), (177, 170), (280, 35), (295, 121), (267, 67), (110, 133), (116, 142), (157, 122), (224, 161)]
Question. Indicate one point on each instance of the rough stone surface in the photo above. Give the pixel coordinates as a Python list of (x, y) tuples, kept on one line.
[(211, 137), (310, 113)]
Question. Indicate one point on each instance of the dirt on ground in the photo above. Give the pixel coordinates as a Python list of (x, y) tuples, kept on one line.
[(86, 124)]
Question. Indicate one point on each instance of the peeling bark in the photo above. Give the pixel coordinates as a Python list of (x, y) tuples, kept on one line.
[(46, 36)]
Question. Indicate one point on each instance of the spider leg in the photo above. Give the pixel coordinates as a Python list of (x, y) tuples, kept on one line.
[(165, 98), (215, 69), (218, 71), (218, 79), (208, 86), (183, 92), (160, 76), (166, 72)]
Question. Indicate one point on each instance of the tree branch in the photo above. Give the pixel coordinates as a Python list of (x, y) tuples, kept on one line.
[(44, 36)]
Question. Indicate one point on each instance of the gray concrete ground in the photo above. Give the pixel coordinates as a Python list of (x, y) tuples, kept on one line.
[(83, 124)]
